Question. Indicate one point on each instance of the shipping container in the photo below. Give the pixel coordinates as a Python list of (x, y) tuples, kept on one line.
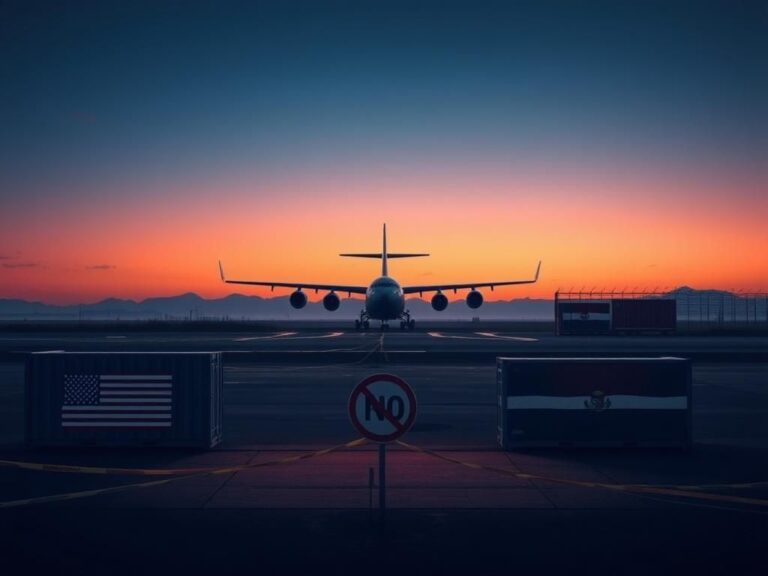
[(169, 399), (643, 315), (583, 317), (593, 402), (615, 316)]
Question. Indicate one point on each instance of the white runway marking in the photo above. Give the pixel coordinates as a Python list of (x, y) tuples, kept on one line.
[(483, 336), (501, 337), (273, 336), (329, 335), (441, 335), (289, 336)]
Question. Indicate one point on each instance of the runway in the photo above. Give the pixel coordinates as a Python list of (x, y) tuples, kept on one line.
[(432, 345)]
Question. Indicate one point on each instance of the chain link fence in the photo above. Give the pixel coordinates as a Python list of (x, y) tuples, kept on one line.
[(696, 310)]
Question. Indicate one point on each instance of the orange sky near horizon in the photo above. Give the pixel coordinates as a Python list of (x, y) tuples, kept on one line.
[(590, 229)]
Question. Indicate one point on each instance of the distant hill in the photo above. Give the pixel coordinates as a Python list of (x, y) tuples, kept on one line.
[(240, 306), (243, 307), (686, 291)]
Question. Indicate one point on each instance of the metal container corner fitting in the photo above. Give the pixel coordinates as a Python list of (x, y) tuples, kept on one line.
[(169, 399), (593, 402)]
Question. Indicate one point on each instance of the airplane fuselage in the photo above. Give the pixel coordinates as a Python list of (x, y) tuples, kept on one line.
[(384, 299)]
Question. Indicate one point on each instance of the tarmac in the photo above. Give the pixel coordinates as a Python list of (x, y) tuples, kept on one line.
[(454, 342), (278, 502)]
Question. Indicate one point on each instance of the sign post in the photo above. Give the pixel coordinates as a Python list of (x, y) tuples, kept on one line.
[(382, 408), (382, 479)]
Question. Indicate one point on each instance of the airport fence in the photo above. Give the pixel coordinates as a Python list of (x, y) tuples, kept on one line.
[(695, 310)]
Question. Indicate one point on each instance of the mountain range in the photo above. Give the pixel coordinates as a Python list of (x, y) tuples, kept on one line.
[(191, 306)]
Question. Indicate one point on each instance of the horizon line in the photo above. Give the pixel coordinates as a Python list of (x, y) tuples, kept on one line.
[(583, 293)]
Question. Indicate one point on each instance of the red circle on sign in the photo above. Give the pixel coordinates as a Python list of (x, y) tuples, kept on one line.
[(400, 428)]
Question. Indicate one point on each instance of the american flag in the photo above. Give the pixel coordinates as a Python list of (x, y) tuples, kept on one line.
[(117, 401)]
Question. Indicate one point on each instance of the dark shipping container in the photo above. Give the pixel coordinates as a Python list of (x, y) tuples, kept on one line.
[(644, 315), (169, 399), (593, 402), (583, 317), (617, 316)]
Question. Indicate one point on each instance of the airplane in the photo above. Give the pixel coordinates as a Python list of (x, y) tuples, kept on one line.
[(384, 297)]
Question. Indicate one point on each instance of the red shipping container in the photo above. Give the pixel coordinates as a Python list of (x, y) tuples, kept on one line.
[(646, 315)]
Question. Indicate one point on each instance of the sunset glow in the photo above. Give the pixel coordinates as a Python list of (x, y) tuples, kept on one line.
[(589, 233)]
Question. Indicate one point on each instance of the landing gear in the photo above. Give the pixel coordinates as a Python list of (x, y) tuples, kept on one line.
[(362, 322), (407, 321), (384, 326)]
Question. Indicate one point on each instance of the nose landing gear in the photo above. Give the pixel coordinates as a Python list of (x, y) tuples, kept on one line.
[(362, 322), (407, 321)]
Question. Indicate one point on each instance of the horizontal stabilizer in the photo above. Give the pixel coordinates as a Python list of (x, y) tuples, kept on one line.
[(389, 255)]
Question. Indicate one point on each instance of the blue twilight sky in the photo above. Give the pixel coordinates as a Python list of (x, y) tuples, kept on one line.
[(91, 91)]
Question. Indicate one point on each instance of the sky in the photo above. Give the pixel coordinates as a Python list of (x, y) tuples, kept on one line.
[(625, 144)]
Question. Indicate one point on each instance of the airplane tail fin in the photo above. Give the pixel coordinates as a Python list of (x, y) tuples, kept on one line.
[(384, 251), (384, 255)]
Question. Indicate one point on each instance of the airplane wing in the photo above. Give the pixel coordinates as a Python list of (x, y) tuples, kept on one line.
[(298, 285), (472, 285)]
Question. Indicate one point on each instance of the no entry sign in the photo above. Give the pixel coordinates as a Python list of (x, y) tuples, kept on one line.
[(382, 407)]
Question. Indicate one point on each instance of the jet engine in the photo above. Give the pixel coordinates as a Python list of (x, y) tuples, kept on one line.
[(298, 299), (439, 302), (474, 299), (331, 301)]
